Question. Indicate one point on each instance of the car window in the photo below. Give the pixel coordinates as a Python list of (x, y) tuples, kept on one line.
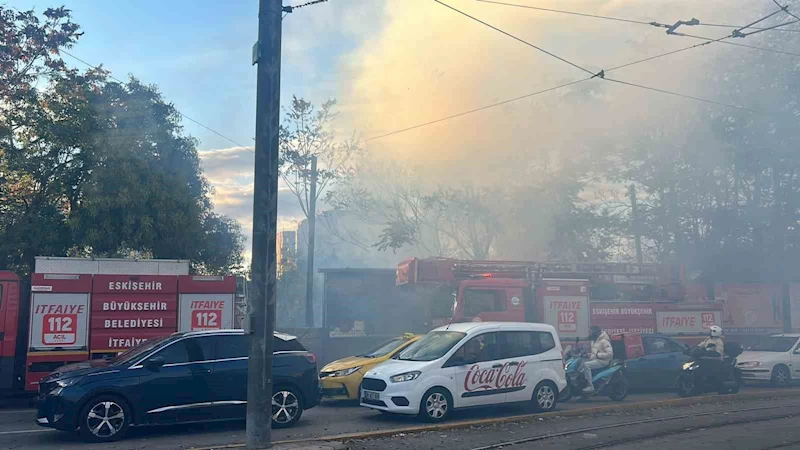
[(292, 345), (526, 343), (433, 346), (675, 346), (479, 349), (203, 348), (232, 346), (655, 346), (176, 353), (477, 301)]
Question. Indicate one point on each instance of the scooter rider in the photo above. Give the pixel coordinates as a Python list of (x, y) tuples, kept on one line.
[(600, 357), (714, 341)]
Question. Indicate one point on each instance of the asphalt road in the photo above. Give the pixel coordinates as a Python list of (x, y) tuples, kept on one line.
[(753, 424), (19, 431)]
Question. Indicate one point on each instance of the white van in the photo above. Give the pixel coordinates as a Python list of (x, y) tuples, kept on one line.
[(469, 364)]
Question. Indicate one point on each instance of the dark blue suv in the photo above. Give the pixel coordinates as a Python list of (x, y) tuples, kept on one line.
[(185, 377)]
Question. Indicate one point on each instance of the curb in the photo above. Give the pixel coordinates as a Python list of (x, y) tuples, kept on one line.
[(316, 443)]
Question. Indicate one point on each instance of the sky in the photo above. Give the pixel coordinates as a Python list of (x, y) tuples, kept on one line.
[(392, 64)]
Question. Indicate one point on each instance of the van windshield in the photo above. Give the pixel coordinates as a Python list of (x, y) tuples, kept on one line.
[(433, 346)]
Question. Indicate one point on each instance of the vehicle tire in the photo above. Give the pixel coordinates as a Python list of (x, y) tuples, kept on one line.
[(545, 397), (781, 377), (686, 386), (104, 418), (565, 395), (435, 405), (619, 390), (287, 407)]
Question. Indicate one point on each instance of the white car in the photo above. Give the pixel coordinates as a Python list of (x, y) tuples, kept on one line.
[(467, 365), (775, 359)]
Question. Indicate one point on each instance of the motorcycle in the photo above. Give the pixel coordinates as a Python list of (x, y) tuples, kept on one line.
[(609, 381), (706, 372)]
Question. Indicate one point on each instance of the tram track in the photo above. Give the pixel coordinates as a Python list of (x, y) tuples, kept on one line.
[(657, 434)]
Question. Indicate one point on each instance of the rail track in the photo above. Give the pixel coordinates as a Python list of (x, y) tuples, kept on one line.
[(658, 434)]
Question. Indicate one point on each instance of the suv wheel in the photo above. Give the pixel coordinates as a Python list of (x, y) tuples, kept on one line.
[(287, 407), (104, 419), (436, 405)]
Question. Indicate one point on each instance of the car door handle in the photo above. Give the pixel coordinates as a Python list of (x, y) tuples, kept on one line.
[(513, 363), (672, 356), (497, 366)]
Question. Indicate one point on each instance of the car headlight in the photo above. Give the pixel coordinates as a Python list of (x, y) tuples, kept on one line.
[(750, 364), (687, 365), (61, 384), (346, 372), (408, 376)]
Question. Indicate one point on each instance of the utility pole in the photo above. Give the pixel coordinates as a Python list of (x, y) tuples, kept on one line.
[(312, 225), (261, 318), (635, 223)]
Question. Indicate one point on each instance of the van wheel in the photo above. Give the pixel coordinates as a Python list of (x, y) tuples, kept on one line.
[(545, 397), (436, 405), (287, 407), (780, 376), (105, 418)]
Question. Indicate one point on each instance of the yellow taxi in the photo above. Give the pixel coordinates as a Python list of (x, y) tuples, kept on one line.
[(341, 379)]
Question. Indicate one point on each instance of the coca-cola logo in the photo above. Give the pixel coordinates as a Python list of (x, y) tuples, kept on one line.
[(507, 376)]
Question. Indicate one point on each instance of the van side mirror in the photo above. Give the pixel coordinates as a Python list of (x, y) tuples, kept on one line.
[(154, 362)]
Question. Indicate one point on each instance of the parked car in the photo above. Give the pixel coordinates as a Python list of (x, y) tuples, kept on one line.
[(660, 365), (466, 365), (340, 379), (775, 359), (185, 377)]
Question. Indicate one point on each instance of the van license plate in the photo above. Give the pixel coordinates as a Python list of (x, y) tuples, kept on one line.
[(369, 395)]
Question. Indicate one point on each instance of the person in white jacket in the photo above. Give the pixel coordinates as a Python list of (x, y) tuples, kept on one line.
[(714, 341), (601, 355)]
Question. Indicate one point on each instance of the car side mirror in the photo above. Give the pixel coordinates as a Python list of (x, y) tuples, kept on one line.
[(154, 362)]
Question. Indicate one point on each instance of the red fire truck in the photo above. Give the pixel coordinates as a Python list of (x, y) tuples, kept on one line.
[(81, 309), (620, 298)]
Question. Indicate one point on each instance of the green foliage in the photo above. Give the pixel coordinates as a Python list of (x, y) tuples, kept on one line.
[(91, 167)]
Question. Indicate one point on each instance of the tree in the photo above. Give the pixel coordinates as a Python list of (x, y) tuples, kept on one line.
[(306, 133), (91, 167)]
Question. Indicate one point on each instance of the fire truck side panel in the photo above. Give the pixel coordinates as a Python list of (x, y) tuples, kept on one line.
[(206, 302), (59, 319), (9, 315), (128, 309)]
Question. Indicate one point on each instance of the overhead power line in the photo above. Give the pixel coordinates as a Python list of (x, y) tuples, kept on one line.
[(598, 75), (482, 108), (785, 9), (639, 22), (514, 37), (180, 113)]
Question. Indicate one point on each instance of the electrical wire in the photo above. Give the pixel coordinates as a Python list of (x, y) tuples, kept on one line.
[(763, 49), (515, 37), (619, 19), (699, 99), (785, 9), (639, 86), (180, 113), (482, 108)]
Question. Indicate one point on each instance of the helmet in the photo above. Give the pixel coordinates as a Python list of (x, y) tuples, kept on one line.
[(715, 331), (594, 332)]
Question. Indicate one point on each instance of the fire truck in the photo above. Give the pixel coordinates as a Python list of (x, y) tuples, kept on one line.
[(81, 309), (618, 297)]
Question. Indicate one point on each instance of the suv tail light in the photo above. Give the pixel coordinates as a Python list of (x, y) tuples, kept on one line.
[(312, 358)]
